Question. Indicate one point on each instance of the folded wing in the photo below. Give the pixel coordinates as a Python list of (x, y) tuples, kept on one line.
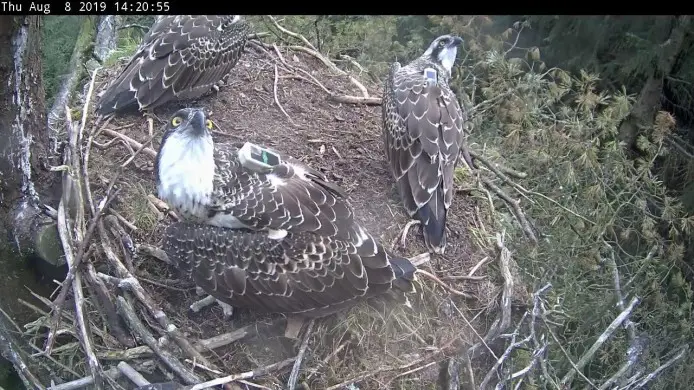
[(181, 57), (292, 196), (303, 273), (423, 134)]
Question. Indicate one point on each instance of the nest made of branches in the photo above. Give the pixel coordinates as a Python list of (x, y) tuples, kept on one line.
[(129, 311)]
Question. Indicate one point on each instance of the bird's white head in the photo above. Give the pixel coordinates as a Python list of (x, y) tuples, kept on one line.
[(190, 126), (185, 164), (443, 51)]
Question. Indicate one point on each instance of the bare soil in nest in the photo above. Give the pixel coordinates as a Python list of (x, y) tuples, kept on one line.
[(392, 346)]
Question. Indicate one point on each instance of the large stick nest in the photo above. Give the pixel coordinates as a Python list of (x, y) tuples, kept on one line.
[(128, 309)]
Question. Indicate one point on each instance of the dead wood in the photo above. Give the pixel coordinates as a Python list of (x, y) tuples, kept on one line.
[(128, 313)]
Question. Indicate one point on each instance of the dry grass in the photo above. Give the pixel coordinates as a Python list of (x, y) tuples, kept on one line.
[(398, 346)]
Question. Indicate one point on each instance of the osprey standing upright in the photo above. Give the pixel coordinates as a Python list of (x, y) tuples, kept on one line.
[(423, 134), (181, 57)]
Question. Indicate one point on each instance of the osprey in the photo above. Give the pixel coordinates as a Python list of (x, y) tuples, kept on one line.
[(277, 239), (423, 134), (181, 57)]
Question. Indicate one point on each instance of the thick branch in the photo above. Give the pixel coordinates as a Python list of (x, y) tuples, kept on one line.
[(106, 37), (588, 356), (140, 330)]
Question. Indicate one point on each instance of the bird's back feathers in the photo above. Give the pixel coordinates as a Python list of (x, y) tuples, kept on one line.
[(303, 273), (181, 57), (291, 196)]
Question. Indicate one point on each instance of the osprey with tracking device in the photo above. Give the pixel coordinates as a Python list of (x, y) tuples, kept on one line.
[(264, 231), (423, 135)]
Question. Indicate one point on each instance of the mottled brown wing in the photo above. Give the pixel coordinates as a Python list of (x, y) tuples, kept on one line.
[(181, 57), (301, 273), (422, 135), (292, 196), (191, 71)]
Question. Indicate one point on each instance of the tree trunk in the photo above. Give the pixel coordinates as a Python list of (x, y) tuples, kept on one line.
[(648, 102), (106, 37), (76, 71), (24, 181)]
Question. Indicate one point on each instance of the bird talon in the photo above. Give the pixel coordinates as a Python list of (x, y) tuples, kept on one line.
[(227, 309)]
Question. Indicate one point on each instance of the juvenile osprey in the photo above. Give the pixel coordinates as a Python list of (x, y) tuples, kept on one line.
[(279, 240), (181, 57), (423, 134)]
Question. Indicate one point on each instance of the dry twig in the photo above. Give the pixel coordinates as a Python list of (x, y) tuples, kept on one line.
[(7, 351), (294, 376), (136, 145), (499, 172), (274, 93), (679, 355), (514, 206), (434, 356), (85, 240), (497, 327), (312, 51), (609, 331), (245, 375), (438, 281), (74, 189), (129, 315), (129, 283), (538, 353)]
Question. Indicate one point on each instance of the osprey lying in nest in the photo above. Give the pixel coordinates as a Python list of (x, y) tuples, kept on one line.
[(423, 134), (263, 233), (181, 57)]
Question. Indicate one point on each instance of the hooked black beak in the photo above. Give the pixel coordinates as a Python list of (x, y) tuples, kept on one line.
[(197, 121), (457, 41)]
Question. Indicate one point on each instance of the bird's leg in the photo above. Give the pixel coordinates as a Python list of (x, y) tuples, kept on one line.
[(294, 324), (221, 83), (196, 306), (403, 235), (150, 116), (464, 155)]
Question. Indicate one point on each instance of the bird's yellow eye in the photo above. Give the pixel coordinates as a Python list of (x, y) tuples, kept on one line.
[(176, 121), (442, 43), (208, 123)]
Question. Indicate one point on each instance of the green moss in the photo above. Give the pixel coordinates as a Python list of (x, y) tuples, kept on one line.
[(59, 36)]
